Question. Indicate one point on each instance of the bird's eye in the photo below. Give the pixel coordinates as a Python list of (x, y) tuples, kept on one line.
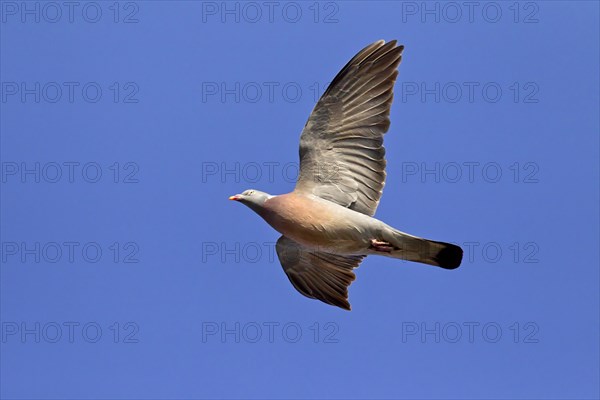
[(250, 193)]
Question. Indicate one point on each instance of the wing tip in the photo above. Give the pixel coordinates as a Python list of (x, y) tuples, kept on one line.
[(391, 43), (344, 304)]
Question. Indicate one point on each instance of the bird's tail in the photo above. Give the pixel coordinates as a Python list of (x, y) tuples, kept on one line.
[(413, 248)]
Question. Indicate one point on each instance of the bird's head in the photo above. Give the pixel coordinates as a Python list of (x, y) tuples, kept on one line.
[(252, 198)]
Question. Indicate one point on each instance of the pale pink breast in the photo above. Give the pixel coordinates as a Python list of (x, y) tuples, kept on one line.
[(300, 218)]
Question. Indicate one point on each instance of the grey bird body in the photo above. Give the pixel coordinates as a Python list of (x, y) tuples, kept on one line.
[(327, 222), (320, 224)]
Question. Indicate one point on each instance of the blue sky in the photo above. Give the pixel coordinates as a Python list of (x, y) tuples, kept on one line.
[(126, 273)]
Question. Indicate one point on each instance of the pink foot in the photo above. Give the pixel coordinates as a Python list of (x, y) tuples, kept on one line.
[(382, 246)]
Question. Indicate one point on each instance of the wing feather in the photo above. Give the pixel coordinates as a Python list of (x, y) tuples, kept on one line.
[(316, 274), (342, 158)]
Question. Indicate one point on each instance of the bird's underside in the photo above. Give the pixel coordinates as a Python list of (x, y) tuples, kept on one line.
[(326, 222), (319, 260)]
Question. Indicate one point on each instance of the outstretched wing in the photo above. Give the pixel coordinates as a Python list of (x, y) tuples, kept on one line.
[(318, 275), (342, 158)]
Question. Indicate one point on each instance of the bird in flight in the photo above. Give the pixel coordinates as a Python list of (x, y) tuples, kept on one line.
[(327, 223)]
